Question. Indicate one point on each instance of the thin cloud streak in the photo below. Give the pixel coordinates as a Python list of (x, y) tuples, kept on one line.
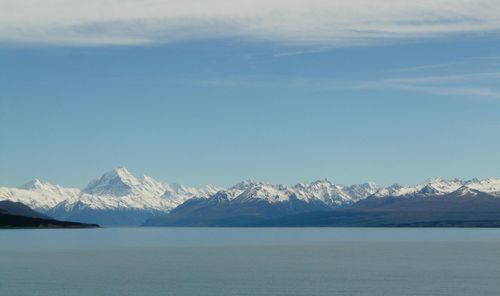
[(445, 78), (322, 23), (463, 85), (471, 92), (426, 67)]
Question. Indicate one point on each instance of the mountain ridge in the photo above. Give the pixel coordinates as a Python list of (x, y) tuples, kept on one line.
[(120, 198)]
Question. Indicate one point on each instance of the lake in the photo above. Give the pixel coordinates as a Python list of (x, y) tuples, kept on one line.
[(250, 261)]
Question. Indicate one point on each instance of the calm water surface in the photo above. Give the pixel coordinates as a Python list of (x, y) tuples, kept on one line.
[(232, 261)]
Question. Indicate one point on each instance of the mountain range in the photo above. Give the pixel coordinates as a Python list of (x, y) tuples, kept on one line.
[(463, 207), (120, 198), (116, 198)]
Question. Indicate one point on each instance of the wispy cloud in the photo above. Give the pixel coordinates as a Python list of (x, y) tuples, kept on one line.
[(484, 62), (445, 78), (474, 85), (426, 67), (301, 52), (462, 91), (328, 23), (469, 85)]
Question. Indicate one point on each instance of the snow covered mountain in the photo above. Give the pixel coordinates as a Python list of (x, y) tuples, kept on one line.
[(464, 207), (249, 202), (116, 198), (252, 203), (120, 198), (322, 190), (490, 185), (120, 189), (38, 195), (439, 187)]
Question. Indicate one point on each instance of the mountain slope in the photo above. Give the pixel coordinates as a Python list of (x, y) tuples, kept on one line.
[(250, 202), (464, 207), (222, 210), (260, 204), (18, 215), (19, 209)]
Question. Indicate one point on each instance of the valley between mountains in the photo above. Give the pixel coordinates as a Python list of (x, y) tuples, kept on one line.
[(118, 198)]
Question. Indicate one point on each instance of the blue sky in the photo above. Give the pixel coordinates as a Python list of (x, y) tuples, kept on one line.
[(225, 105)]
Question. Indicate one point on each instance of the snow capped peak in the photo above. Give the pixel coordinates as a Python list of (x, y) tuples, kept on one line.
[(269, 192), (441, 186), (38, 195), (396, 190), (433, 186), (39, 186), (33, 184), (322, 190), (117, 182), (324, 184), (222, 195), (428, 189), (318, 191), (245, 184), (211, 188), (119, 189), (182, 193), (123, 174), (490, 185), (395, 187), (465, 190), (360, 191)]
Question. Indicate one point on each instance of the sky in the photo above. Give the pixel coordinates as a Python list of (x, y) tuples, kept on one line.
[(278, 91)]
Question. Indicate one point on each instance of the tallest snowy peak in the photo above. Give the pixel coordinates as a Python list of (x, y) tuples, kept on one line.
[(117, 182), (33, 185), (123, 174)]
